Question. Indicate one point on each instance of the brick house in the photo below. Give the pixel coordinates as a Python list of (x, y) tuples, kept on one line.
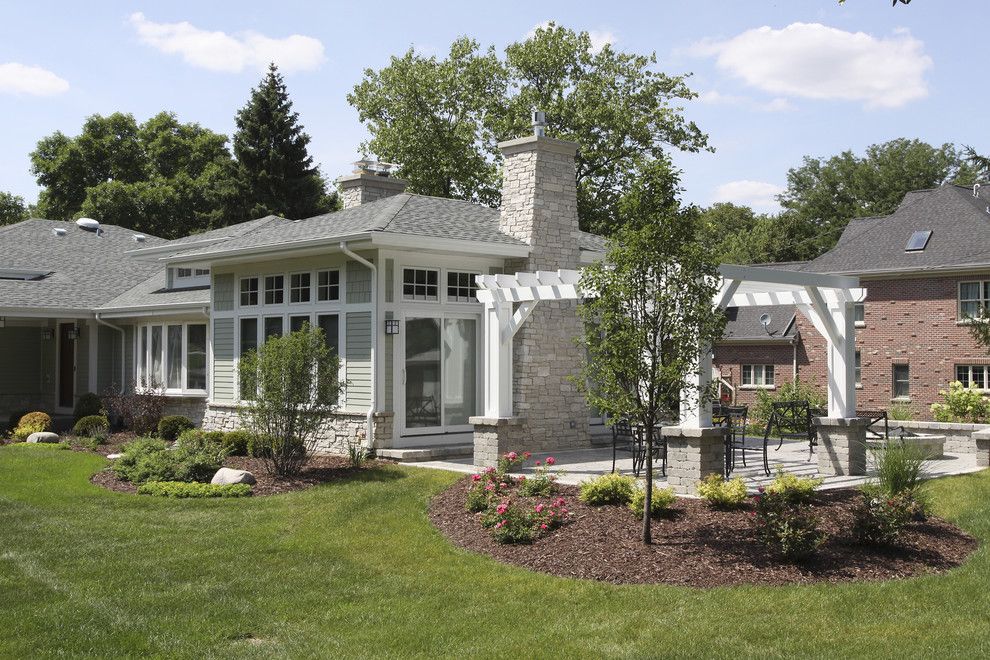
[(926, 267)]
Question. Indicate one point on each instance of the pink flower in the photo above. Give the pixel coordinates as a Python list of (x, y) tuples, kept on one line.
[(544, 526), (756, 498), (551, 460), (526, 455), (761, 489), (500, 524), (559, 501), (489, 486), (503, 485), (475, 477), (522, 478), (502, 508), (539, 508), (538, 464), (512, 456), (489, 470)]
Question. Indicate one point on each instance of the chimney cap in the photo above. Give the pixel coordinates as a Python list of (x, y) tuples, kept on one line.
[(376, 167), (539, 123)]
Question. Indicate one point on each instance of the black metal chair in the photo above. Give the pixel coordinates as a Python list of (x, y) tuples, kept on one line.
[(734, 418), (790, 420), (875, 417), (629, 438)]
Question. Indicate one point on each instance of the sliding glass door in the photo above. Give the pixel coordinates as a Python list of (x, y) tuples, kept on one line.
[(441, 373)]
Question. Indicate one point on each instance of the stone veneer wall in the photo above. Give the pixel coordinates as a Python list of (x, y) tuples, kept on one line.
[(357, 189), (193, 408), (342, 430), (958, 437)]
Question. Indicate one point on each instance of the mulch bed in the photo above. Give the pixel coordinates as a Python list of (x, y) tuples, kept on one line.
[(696, 546)]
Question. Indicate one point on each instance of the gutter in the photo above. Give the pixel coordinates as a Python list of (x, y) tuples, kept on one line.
[(369, 437), (123, 349)]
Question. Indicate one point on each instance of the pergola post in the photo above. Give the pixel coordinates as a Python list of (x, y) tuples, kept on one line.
[(497, 360)]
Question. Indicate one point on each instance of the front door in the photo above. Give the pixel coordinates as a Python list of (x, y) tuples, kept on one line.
[(441, 374), (66, 365)]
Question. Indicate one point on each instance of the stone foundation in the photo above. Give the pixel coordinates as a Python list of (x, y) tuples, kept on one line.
[(193, 408), (982, 441), (959, 438), (692, 455), (841, 446), (341, 431), (494, 436)]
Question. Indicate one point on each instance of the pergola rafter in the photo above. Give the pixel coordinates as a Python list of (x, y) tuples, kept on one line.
[(827, 301)]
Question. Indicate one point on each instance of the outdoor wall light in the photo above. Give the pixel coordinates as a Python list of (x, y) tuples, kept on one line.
[(48, 334), (74, 334), (391, 326)]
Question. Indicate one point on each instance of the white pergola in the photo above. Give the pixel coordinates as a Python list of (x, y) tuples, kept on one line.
[(828, 301)]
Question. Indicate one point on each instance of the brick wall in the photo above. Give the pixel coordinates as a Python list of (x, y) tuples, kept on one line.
[(730, 358), (908, 320)]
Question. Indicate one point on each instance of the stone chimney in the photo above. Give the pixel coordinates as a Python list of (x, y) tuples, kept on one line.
[(371, 180)]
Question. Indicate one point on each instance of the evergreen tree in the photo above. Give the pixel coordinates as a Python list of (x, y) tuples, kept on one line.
[(275, 171)]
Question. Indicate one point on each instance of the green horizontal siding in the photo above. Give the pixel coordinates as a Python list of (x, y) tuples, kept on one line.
[(21, 351), (223, 360), (357, 359), (223, 292)]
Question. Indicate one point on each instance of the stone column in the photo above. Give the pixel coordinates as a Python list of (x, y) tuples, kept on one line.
[(494, 436), (692, 455), (841, 446), (982, 439)]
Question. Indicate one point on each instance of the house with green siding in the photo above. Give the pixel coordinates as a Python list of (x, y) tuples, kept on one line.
[(390, 279)]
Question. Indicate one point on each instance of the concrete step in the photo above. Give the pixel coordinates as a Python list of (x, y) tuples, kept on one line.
[(428, 453)]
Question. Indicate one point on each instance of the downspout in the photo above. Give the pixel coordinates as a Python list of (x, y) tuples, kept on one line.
[(370, 434), (123, 349), (794, 344)]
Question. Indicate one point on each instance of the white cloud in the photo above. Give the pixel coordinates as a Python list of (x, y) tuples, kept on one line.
[(811, 60), (17, 78), (219, 51), (599, 38), (760, 195), (715, 97)]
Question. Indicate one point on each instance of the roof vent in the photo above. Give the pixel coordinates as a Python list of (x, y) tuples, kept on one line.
[(88, 224), (58, 231), (139, 238), (976, 190), (539, 123), (918, 241)]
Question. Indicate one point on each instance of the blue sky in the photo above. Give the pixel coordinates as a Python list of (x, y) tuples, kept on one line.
[(778, 80)]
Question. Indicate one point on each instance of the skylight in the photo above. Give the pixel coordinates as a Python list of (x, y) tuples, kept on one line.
[(22, 274), (918, 241)]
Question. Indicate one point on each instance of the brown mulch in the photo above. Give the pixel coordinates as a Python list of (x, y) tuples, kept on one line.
[(697, 546)]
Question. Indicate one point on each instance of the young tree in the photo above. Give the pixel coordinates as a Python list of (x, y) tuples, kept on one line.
[(442, 119), (651, 317), (12, 209), (275, 171), (294, 379)]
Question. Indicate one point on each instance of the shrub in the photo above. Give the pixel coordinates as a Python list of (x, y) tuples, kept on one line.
[(791, 391), (511, 522), (660, 503), (12, 421), (879, 519), (492, 482), (140, 412), (150, 459), (786, 526), (198, 438), (87, 405), (95, 427), (900, 468), (900, 412), (722, 494), (608, 489), (961, 404), (792, 488), (171, 427), (183, 489), (33, 422), (543, 483), (296, 391), (356, 453), (237, 443)]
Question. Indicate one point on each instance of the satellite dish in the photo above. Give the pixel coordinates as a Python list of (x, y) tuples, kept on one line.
[(765, 320), (88, 224)]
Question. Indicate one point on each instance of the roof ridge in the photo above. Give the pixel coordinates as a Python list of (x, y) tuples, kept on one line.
[(388, 219)]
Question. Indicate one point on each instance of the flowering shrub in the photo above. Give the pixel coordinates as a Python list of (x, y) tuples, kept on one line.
[(660, 503), (543, 482), (961, 404), (608, 489), (722, 494), (493, 482), (511, 522), (879, 519), (786, 525), (793, 488)]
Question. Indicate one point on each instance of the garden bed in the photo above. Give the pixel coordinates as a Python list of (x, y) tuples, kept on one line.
[(697, 546)]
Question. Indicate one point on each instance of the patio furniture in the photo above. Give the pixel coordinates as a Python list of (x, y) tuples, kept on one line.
[(630, 437), (790, 420), (875, 417), (734, 419)]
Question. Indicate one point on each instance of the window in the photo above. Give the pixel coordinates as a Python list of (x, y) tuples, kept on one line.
[(757, 375), (249, 342), (249, 291), (273, 326), (859, 369), (183, 272), (902, 381), (420, 284), (187, 278), (328, 285), (973, 375), (330, 324), (860, 315), (973, 298), (296, 323), (274, 289), (299, 290), (461, 287), (172, 357), (918, 241), (201, 272)]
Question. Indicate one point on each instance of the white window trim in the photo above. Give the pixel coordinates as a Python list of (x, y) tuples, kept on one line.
[(193, 280), (986, 374), (985, 302), (310, 287), (762, 371), (263, 296), (182, 391), (257, 291), (860, 324), (339, 285), (893, 383), (440, 283), (445, 274)]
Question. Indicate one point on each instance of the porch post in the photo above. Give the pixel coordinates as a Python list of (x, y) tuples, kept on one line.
[(498, 360), (842, 362), (696, 409)]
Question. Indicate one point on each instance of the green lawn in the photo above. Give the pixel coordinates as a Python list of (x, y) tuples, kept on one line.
[(355, 569)]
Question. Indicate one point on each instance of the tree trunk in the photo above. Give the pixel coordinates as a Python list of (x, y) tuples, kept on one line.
[(648, 500)]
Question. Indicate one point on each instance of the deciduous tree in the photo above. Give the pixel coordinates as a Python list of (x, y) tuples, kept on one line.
[(12, 208)]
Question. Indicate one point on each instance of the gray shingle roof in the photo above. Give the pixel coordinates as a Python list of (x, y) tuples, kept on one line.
[(86, 270), (960, 228), (405, 214), (152, 292), (195, 241), (744, 323)]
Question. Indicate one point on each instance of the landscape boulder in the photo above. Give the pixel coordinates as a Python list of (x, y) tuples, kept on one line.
[(230, 476), (114, 457), (42, 436)]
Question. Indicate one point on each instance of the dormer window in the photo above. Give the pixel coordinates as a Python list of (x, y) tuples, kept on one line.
[(187, 278)]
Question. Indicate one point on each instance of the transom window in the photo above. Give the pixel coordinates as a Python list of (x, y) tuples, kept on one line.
[(299, 288), (973, 375), (172, 357), (420, 284), (859, 368), (859, 314), (758, 375), (461, 286), (973, 298), (901, 377), (249, 291), (274, 289), (328, 285)]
